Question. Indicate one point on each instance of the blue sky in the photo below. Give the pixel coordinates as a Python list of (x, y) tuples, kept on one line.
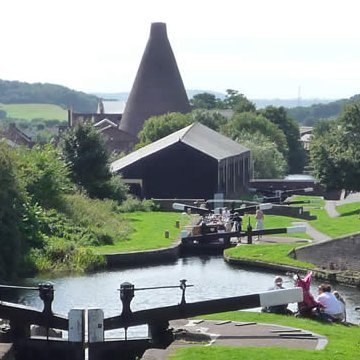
[(263, 49)]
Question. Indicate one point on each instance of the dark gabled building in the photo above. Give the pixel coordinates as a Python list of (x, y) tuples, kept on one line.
[(194, 162), (15, 137)]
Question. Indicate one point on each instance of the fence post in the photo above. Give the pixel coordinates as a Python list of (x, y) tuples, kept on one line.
[(249, 233), (76, 325), (95, 325), (76, 333)]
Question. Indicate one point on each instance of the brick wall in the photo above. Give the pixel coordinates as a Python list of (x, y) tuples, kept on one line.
[(337, 254)]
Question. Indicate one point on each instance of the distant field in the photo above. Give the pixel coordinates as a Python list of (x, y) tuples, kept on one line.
[(34, 111)]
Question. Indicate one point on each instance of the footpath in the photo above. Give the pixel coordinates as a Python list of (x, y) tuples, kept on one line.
[(229, 333)]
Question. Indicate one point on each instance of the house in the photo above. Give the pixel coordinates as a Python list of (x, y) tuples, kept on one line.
[(305, 136), (15, 137), (194, 162)]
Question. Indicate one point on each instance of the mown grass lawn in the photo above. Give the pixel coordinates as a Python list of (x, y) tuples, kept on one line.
[(269, 253), (347, 223), (275, 222), (34, 111), (343, 341), (147, 231)]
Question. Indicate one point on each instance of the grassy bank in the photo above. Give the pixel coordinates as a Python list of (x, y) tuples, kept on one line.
[(344, 342), (275, 222), (269, 253), (347, 223), (75, 237), (147, 231), (34, 111)]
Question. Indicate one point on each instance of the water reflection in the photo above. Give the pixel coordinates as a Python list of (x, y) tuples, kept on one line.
[(212, 278)]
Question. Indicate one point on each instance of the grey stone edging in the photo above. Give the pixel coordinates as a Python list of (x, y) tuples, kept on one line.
[(145, 257), (153, 256), (263, 265), (323, 275)]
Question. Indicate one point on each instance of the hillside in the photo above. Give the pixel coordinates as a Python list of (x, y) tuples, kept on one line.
[(16, 92), (34, 112), (310, 114)]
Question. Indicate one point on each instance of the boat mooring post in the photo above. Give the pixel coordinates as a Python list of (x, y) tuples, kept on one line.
[(183, 288), (249, 233), (127, 293), (46, 293)]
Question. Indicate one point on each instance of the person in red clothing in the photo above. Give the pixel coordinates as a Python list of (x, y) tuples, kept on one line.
[(309, 306)]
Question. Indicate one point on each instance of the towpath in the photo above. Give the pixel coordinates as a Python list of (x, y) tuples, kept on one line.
[(229, 333), (330, 205)]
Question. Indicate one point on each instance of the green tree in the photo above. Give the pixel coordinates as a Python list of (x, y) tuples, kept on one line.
[(157, 127), (238, 102), (297, 155), (88, 160), (11, 199), (335, 154), (212, 119), (204, 101), (252, 123), (45, 174), (267, 161)]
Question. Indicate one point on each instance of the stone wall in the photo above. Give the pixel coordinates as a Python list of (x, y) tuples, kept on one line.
[(137, 258), (338, 254)]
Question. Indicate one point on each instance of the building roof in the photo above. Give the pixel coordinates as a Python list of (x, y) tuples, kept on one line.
[(111, 107), (305, 130), (105, 123), (197, 136)]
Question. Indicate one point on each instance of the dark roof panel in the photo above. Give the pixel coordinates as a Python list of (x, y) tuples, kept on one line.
[(197, 136)]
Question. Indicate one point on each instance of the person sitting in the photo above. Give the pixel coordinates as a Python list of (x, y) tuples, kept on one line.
[(308, 307), (331, 309), (277, 309), (237, 222)]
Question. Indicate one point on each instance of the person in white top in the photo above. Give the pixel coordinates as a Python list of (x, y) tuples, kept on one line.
[(331, 309)]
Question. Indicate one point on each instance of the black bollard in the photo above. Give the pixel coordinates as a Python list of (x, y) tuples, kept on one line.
[(127, 291), (183, 288), (46, 293), (249, 233)]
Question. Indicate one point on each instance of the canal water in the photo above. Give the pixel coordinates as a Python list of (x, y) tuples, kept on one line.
[(211, 276)]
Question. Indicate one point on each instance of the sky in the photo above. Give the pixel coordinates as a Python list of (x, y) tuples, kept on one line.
[(263, 49)]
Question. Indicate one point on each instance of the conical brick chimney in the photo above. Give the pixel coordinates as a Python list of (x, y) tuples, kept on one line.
[(158, 88)]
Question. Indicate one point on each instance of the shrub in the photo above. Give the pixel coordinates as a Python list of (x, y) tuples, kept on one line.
[(132, 204), (64, 255), (45, 175), (11, 198)]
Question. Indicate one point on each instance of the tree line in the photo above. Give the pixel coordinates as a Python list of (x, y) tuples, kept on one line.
[(272, 136), (310, 115), (16, 92)]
